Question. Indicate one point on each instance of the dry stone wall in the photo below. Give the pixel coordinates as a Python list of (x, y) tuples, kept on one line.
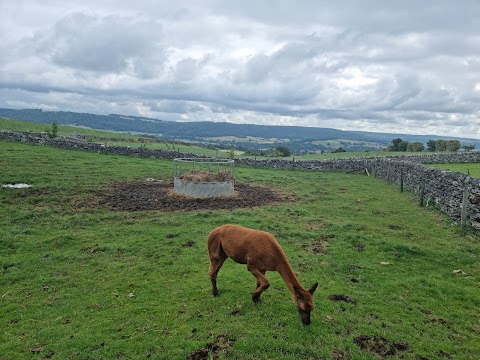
[(445, 188), (81, 144)]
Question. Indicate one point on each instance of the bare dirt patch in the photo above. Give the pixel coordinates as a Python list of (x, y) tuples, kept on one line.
[(394, 227), (319, 246), (341, 297), (359, 247), (157, 195), (221, 346), (339, 354), (379, 346)]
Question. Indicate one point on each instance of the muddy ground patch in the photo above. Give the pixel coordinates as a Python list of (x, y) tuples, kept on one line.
[(159, 195), (379, 346)]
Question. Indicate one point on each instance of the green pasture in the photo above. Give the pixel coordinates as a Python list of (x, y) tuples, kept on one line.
[(80, 281), (30, 126), (124, 139), (472, 169), (99, 136)]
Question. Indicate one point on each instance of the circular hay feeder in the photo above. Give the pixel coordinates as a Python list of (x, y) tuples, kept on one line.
[(203, 177)]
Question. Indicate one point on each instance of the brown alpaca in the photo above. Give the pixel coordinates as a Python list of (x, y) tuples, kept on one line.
[(261, 252)]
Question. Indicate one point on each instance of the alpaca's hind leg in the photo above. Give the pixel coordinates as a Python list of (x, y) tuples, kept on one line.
[(258, 282), (216, 263), (217, 258), (262, 283)]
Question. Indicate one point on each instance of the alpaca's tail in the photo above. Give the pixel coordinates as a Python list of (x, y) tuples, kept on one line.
[(215, 249)]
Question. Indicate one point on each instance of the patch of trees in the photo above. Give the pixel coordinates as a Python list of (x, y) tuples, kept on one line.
[(401, 145), (432, 146), (443, 145), (281, 151), (53, 131)]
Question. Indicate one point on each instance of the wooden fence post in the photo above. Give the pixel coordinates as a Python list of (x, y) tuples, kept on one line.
[(422, 190), (463, 215), (401, 181)]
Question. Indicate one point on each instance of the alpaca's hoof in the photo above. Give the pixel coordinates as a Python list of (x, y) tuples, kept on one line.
[(215, 293), (256, 299)]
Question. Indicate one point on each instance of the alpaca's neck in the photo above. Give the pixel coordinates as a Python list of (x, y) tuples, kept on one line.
[(286, 272)]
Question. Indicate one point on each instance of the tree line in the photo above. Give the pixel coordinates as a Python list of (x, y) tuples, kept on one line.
[(432, 146)]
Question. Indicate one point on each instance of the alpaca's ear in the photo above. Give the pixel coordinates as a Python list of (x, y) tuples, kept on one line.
[(298, 292), (313, 288)]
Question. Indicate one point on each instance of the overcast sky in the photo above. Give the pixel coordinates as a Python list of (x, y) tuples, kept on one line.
[(383, 66)]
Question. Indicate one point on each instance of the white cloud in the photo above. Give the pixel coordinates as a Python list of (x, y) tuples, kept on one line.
[(359, 65)]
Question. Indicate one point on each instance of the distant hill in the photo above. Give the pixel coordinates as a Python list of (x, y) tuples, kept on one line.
[(243, 136)]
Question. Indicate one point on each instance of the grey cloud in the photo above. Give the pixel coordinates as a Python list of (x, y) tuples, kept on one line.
[(101, 44), (393, 91), (175, 106), (367, 15), (35, 87), (187, 70)]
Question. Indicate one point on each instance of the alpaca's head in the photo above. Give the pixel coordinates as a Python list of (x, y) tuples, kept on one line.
[(304, 302)]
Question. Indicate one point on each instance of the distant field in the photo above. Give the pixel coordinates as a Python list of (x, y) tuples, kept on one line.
[(20, 125), (132, 141), (340, 142), (82, 280), (97, 135), (473, 169), (358, 154)]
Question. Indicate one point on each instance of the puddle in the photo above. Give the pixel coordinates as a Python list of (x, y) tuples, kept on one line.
[(16, 186)]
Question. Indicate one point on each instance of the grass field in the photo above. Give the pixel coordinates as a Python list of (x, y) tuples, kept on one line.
[(472, 169), (30, 126), (132, 140), (80, 281), (99, 135)]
